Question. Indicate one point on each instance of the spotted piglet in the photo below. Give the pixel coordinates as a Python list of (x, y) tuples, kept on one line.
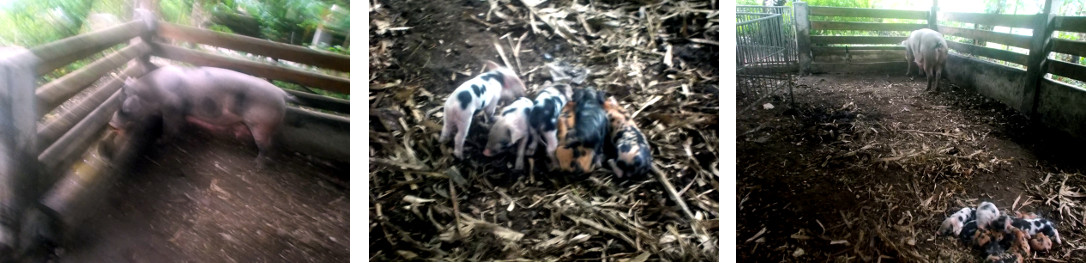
[(1034, 226), (627, 151), (545, 112), (953, 225), (511, 127), (582, 129), (498, 85)]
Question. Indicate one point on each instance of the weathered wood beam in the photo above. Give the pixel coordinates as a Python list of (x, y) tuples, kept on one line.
[(62, 52), (56, 92), (256, 46), (54, 128)]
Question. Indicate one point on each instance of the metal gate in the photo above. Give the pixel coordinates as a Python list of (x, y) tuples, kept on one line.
[(766, 55)]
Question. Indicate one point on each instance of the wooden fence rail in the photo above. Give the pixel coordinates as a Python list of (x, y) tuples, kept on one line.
[(256, 46)]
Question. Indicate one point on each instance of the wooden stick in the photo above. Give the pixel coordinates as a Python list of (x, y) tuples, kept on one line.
[(660, 176), (456, 207), (502, 54)]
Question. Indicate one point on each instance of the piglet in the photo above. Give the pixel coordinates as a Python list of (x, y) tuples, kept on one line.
[(1037, 225), (986, 213), (544, 119), (582, 129), (953, 224), (511, 127), (1040, 242), (928, 50), (627, 150), (498, 85)]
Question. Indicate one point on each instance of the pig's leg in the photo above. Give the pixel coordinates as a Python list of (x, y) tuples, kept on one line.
[(614, 167), (262, 135), (172, 119), (908, 62), (461, 135), (533, 136), (520, 154), (446, 129), (552, 145)]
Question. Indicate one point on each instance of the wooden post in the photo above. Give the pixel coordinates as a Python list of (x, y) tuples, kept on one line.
[(933, 16), (803, 36), (18, 141), (152, 27), (1039, 47)]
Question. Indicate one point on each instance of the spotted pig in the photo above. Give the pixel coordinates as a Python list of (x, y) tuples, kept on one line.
[(628, 152), (498, 85), (582, 129), (213, 98), (544, 118)]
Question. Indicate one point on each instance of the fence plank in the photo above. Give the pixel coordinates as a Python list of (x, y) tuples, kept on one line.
[(1067, 46), (271, 72), (1021, 41), (855, 48), (321, 102), (803, 36), (1003, 55), (80, 136), (869, 12), (257, 46), (877, 67), (1071, 23), (1060, 68), (54, 128), (1020, 21), (62, 52), (828, 25), (826, 40), (56, 92)]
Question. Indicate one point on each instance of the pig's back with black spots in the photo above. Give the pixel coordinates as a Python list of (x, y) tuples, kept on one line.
[(634, 154), (547, 105), (591, 126)]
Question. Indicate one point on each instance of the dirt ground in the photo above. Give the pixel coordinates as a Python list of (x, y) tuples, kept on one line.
[(866, 167), (427, 206), (200, 199)]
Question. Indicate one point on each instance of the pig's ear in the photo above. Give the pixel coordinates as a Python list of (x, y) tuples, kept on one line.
[(491, 65)]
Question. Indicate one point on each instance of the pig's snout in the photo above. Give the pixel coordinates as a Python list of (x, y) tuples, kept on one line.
[(488, 153)]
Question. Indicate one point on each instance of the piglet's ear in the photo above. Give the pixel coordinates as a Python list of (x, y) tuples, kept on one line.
[(491, 65)]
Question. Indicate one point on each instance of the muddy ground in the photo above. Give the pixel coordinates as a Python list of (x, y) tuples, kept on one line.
[(866, 167), (199, 198), (427, 206)]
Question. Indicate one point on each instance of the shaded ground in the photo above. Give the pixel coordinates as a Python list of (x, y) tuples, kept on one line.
[(866, 167), (424, 205), (199, 199)]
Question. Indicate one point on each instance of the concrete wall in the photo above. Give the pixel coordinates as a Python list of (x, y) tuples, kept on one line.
[(318, 134), (999, 82), (1062, 107)]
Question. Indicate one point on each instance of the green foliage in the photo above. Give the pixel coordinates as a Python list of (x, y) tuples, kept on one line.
[(176, 11), (30, 23), (292, 86)]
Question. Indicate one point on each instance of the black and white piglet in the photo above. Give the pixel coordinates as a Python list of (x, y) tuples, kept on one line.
[(953, 225), (498, 85), (986, 213), (544, 119)]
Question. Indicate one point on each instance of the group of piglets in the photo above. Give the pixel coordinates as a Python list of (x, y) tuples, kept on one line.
[(1004, 238), (578, 127)]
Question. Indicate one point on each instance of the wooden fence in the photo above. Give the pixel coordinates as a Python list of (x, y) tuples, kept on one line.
[(62, 161), (1021, 83)]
